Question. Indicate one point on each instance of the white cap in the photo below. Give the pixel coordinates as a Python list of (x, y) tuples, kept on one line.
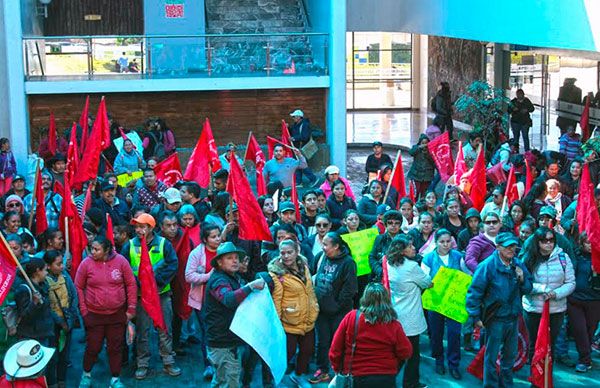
[(297, 113), (172, 195), (26, 359), (332, 170)]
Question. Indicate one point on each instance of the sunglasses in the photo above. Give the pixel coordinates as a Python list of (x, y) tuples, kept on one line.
[(547, 240), (321, 225), (491, 222), (16, 204)]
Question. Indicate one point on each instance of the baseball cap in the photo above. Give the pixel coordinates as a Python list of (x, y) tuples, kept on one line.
[(286, 206), (506, 239), (549, 211), (381, 209), (377, 143), (18, 177), (106, 185), (144, 218), (332, 170), (297, 113), (172, 195)]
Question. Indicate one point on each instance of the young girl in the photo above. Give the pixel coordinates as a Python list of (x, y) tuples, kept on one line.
[(63, 301), (8, 166)]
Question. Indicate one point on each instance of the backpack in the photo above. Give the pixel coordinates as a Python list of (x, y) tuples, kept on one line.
[(10, 316), (159, 146)]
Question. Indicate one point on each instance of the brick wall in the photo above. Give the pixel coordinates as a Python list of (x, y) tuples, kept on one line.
[(232, 113)]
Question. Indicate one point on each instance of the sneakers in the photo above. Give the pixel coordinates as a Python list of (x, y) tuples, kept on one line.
[(320, 377), (116, 384), (582, 368), (172, 370), (209, 371), (141, 373), (86, 382)]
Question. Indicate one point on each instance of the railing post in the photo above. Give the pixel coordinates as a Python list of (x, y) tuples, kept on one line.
[(90, 57), (142, 56), (208, 57), (26, 52), (268, 59)]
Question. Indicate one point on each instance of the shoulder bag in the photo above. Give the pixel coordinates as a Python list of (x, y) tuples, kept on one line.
[(340, 379)]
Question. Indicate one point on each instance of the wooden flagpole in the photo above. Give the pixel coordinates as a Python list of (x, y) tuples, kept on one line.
[(33, 194), (18, 263), (387, 190)]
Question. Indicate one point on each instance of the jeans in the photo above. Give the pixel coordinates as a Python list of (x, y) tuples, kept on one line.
[(437, 322), (411, 367), (584, 316), (519, 129), (165, 340), (63, 357), (310, 175), (500, 336), (203, 342), (561, 345), (532, 321), (326, 326), (306, 345), (249, 361), (228, 366)]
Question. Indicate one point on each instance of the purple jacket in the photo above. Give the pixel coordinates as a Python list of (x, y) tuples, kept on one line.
[(8, 166), (479, 249)]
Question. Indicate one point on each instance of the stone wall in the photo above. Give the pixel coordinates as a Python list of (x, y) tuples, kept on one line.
[(457, 61)]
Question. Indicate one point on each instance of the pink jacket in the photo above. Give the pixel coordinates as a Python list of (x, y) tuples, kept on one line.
[(326, 187), (105, 287), (195, 274)]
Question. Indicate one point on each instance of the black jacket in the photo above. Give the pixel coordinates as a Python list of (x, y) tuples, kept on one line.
[(373, 164), (337, 209), (520, 111), (336, 284), (380, 246), (37, 320)]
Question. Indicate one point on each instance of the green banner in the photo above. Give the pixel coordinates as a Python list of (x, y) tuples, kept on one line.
[(361, 244), (448, 296)]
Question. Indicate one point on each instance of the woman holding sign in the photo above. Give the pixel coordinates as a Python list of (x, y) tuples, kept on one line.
[(443, 256)]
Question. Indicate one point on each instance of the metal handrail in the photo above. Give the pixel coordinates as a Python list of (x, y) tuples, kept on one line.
[(84, 37)]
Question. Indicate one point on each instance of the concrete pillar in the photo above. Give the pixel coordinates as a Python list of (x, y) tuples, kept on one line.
[(336, 99), (501, 66), (420, 71), (13, 106)]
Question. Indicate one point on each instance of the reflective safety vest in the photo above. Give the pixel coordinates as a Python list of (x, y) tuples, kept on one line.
[(157, 256)]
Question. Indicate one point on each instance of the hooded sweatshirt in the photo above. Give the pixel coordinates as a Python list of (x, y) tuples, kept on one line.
[(336, 284)]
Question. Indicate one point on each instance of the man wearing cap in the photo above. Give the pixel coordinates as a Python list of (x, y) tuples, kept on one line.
[(149, 193), (171, 200), (52, 200), (17, 188), (483, 245), (287, 215), (164, 263), (225, 291), (376, 159), (392, 219), (109, 203), (281, 169), (231, 233), (225, 157), (24, 364), (494, 302), (301, 134), (547, 218)]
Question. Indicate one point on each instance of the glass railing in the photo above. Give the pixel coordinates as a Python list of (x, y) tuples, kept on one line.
[(126, 57)]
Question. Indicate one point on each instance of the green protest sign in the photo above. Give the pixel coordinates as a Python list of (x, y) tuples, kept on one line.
[(361, 244), (448, 296)]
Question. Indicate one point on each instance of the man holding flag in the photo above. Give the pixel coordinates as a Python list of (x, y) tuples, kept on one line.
[(164, 263), (282, 169)]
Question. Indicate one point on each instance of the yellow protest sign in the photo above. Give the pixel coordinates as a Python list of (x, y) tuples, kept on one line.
[(448, 296), (124, 179), (361, 244)]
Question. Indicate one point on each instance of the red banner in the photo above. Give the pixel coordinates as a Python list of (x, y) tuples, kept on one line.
[(440, 151), (169, 170), (8, 270)]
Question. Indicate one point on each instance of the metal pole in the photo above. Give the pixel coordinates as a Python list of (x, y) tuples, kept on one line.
[(142, 56), (545, 102), (209, 58)]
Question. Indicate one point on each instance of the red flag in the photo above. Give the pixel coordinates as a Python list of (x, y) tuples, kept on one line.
[(588, 218), (254, 153), (180, 287), (397, 180), (294, 199), (149, 290), (109, 229), (528, 178), (77, 237), (168, 171), (411, 193), (8, 269), (41, 223), (440, 151), (52, 134), (204, 158), (286, 138), (541, 364), (460, 166), (584, 122), (477, 181), (272, 142), (99, 141), (512, 193), (385, 280), (72, 155), (252, 223), (83, 123), (194, 234)]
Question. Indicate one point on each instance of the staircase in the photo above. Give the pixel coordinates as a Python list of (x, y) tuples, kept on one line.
[(248, 54)]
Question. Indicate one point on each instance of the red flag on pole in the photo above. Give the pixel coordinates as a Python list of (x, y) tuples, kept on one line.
[(411, 193), (149, 290), (584, 122), (203, 156), (385, 279), (294, 199), (168, 171), (252, 222), (83, 123), (8, 270), (41, 223), (397, 180), (286, 138), (72, 155), (440, 151), (52, 134), (254, 153), (460, 166), (477, 181), (512, 192), (99, 141), (528, 178), (541, 364), (87, 201), (77, 237), (109, 229), (588, 218), (272, 142), (180, 287)]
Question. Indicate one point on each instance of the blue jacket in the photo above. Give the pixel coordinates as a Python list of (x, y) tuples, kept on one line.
[(494, 282), (433, 261), (128, 161), (301, 131)]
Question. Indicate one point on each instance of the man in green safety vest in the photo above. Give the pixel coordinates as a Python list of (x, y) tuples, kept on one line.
[(164, 263)]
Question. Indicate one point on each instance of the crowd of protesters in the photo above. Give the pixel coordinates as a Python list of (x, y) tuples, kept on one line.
[(520, 254)]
